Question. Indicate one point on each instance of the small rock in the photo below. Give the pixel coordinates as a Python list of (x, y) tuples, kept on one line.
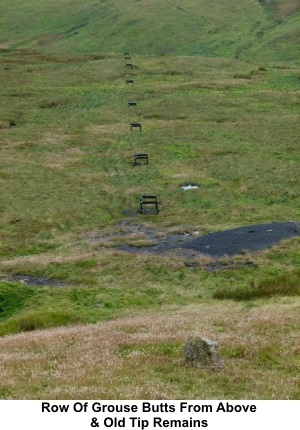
[(203, 353)]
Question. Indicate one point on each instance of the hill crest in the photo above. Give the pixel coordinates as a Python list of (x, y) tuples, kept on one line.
[(265, 30)]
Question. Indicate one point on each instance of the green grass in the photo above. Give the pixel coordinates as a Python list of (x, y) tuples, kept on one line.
[(66, 175), (284, 284), (217, 89), (26, 308), (13, 298), (249, 30)]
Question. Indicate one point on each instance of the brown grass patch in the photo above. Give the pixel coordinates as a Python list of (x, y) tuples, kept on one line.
[(44, 260), (59, 161), (142, 357), (53, 138), (287, 8), (115, 128), (4, 125)]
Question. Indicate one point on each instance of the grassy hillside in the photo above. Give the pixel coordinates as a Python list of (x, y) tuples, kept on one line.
[(223, 115), (141, 357), (266, 30), (70, 192)]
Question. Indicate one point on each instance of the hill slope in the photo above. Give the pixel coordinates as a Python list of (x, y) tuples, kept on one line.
[(141, 357), (249, 29)]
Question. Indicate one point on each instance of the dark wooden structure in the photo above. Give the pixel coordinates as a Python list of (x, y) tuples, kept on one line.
[(132, 104), (129, 81), (135, 125), (126, 53), (127, 57), (141, 157), (129, 65), (148, 205)]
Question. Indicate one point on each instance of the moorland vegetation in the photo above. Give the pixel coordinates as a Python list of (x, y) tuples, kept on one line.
[(225, 117)]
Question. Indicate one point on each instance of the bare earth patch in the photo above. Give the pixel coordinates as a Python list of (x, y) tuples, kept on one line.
[(224, 243), (36, 281)]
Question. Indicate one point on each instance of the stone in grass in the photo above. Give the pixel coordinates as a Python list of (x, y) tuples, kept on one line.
[(203, 353)]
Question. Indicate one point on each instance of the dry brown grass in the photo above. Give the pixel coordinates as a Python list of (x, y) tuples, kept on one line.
[(43, 260), (55, 161), (54, 138), (111, 129), (286, 8), (142, 356)]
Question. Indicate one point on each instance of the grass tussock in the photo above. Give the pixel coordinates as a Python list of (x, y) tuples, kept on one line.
[(284, 284)]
